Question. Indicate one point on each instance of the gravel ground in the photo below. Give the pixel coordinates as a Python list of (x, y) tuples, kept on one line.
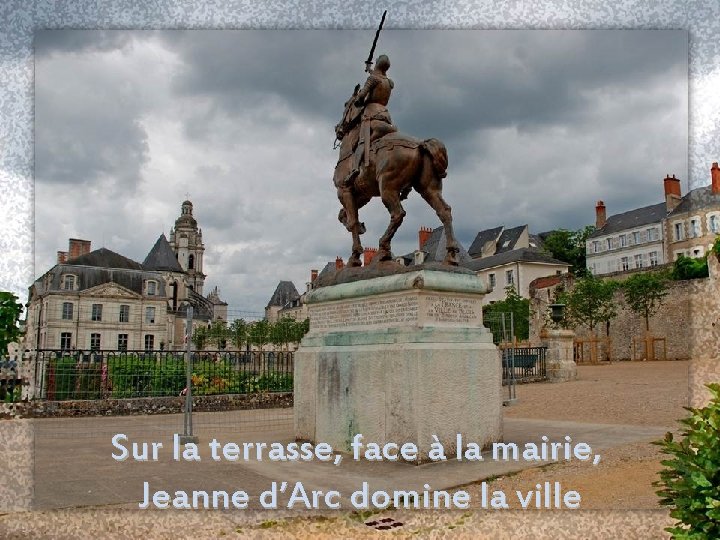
[(618, 499), (642, 393)]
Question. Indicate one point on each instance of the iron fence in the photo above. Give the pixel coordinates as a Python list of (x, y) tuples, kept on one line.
[(523, 364), (112, 374)]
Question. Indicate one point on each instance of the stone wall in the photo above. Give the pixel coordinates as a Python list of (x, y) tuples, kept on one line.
[(138, 406), (704, 332), (672, 321), (689, 320)]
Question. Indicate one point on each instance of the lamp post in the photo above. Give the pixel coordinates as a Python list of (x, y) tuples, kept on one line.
[(557, 313)]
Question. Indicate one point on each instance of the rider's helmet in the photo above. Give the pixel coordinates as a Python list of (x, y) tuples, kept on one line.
[(382, 63)]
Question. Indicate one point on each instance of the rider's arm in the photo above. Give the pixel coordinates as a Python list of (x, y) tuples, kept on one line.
[(369, 85)]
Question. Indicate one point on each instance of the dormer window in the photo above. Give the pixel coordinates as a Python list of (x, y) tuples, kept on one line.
[(151, 288), (68, 282)]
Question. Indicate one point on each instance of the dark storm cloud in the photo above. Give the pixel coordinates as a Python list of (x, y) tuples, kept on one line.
[(89, 130), (448, 83), (538, 125)]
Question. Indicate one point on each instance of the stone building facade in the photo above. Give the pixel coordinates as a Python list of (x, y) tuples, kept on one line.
[(657, 234), (693, 224), (688, 319), (93, 300)]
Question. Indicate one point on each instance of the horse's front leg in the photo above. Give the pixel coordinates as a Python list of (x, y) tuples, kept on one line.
[(391, 200), (349, 217)]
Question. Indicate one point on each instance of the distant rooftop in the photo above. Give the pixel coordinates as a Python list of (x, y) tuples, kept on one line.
[(632, 218)]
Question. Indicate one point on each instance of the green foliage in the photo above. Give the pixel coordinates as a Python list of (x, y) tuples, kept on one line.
[(10, 311), (687, 268), (259, 333), (716, 247), (200, 337), (75, 379), (218, 333), (288, 330), (569, 246), (644, 293), (590, 301), (238, 333), (146, 376), (515, 304), (690, 481)]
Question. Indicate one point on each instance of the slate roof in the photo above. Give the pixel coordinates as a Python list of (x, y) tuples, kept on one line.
[(482, 238), (92, 276), (537, 240), (104, 258), (329, 267), (632, 218), (697, 199), (162, 257), (530, 255), (285, 292), (436, 248), (509, 238)]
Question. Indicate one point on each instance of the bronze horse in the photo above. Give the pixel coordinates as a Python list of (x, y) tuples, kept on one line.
[(399, 164)]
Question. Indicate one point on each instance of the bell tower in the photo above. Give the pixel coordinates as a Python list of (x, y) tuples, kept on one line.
[(186, 241)]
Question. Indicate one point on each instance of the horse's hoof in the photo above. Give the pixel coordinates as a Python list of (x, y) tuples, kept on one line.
[(361, 229), (354, 261)]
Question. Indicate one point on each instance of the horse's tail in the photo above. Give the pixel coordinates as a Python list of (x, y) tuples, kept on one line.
[(438, 155)]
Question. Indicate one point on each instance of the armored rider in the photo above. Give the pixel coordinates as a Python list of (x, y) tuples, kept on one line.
[(376, 122)]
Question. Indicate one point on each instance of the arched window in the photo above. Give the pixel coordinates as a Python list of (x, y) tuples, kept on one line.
[(191, 262)]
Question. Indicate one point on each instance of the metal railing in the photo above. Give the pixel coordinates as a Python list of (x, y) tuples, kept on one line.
[(112, 374), (523, 364)]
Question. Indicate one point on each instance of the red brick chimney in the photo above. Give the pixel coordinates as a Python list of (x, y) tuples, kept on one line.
[(339, 264), (423, 235), (715, 175), (78, 247), (672, 192), (600, 215), (368, 255), (313, 275), (62, 257)]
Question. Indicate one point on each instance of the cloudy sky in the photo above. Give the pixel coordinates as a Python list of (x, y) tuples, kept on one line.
[(539, 125)]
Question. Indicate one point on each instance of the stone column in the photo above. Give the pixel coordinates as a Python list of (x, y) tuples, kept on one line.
[(559, 362)]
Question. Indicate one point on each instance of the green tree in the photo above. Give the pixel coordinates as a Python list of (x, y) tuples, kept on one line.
[(690, 481), (259, 333), (10, 311), (283, 332), (569, 246), (644, 294), (590, 301), (239, 333), (200, 337), (217, 334), (518, 306)]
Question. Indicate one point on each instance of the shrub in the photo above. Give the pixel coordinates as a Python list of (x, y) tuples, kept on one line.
[(691, 479), (687, 268)]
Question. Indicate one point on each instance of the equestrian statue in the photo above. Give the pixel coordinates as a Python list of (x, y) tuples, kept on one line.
[(376, 160)]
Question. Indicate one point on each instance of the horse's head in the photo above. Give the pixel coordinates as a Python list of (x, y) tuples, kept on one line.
[(351, 116)]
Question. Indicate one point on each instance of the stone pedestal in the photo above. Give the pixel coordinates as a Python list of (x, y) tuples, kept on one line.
[(398, 358), (559, 362)]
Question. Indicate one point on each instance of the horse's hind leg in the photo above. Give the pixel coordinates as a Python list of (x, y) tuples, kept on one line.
[(431, 190), (391, 200)]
